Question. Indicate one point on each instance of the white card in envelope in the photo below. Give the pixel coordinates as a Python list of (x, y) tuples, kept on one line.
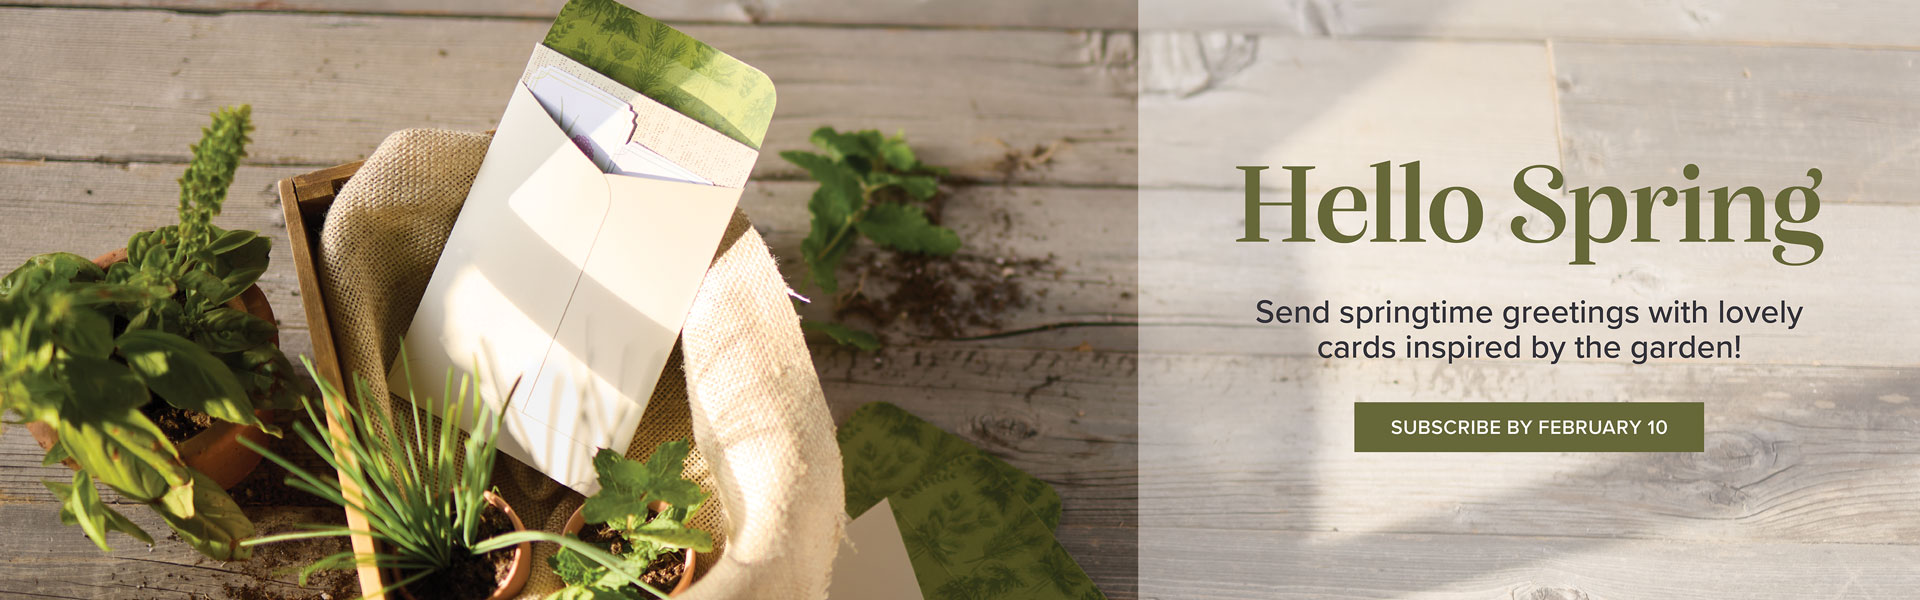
[(573, 281)]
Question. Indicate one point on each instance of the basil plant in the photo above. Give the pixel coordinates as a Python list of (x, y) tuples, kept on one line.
[(84, 348)]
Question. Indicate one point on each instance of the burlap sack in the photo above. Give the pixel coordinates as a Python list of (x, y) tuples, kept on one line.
[(741, 384)]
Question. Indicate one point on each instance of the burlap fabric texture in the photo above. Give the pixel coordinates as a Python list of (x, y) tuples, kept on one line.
[(741, 385)]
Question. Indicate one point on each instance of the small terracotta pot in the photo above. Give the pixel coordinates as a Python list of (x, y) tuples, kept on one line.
[(517, 573), (578, 522), (215, 452)]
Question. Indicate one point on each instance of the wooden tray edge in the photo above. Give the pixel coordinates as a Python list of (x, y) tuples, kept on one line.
[(305, 199)]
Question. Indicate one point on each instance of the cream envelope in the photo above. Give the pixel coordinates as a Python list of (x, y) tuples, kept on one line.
[(571, 280)]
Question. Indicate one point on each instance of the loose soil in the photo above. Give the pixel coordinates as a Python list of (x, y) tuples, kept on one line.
[(275, 568), (266, 485), (663, 573), (941, 297), (178, 424), (471, 577)]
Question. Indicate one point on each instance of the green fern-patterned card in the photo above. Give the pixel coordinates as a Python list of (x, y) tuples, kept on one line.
[(885, 449), (970, 537), (666, 65)]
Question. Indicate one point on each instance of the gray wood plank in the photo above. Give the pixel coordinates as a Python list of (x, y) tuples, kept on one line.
[(1856, 22), (1057, 14), (1793, 454), (1242, 564), (136, 85), (44, 559), (90, 208), (1636, 114), (1213, 102)]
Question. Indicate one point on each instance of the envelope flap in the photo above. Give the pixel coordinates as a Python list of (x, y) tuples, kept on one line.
[(690, 144), (667, 66)]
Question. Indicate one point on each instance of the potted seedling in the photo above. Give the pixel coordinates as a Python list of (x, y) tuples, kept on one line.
[(638, 518), (442, 533), (86, 347)]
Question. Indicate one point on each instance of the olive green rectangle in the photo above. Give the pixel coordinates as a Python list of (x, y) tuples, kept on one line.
[(1529, 426)]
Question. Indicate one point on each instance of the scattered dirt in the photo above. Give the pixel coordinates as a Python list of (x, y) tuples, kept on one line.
[(1016, 160), (266, 485), (470, 576), (939, 296), (275, 568), (177, 424)]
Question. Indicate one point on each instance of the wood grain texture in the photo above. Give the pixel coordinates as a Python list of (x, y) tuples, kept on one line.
[(136, 86), (1018, 14), (1856, 22), (1086, 234), (1231, 564), (1636, 114), (1800, 454), (43, 559), (1211, 103)]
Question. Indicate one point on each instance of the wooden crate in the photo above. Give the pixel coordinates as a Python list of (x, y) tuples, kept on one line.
[(305, 200)]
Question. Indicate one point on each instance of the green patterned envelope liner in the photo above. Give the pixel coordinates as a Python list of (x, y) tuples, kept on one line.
[(886, 449), (970, 536), (670, 67)]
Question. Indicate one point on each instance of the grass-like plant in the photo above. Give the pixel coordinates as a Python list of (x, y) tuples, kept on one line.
[(422, 497), (422, 504)]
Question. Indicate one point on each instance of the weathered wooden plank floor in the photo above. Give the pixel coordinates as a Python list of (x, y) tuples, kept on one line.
[(104, 97)]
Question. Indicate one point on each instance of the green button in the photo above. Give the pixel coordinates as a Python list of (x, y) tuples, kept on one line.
[(1529, 426)]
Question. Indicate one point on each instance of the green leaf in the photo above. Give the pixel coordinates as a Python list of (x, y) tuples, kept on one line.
[(81, 505), (666, 532), (586, 592), (138, 247), (104, 386), (905, 227), (919, 187), (897, 154), (207, 285), (215, 526), (864, 145), (81, 330), (124, 450), (245, 265), (844, 335), (834, 206), (228, 330), (839, 195), (57, 268), (187, 376), (54, 455), (230, 241), (574, 568), (627, 487)]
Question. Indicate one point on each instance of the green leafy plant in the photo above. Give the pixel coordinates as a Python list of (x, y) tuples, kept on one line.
[(872, 185), (423, 498), (628, 492), (83, 348)]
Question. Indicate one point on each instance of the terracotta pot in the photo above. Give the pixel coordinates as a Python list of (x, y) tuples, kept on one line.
[(517, 573), (578, 522), (216, 451)]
